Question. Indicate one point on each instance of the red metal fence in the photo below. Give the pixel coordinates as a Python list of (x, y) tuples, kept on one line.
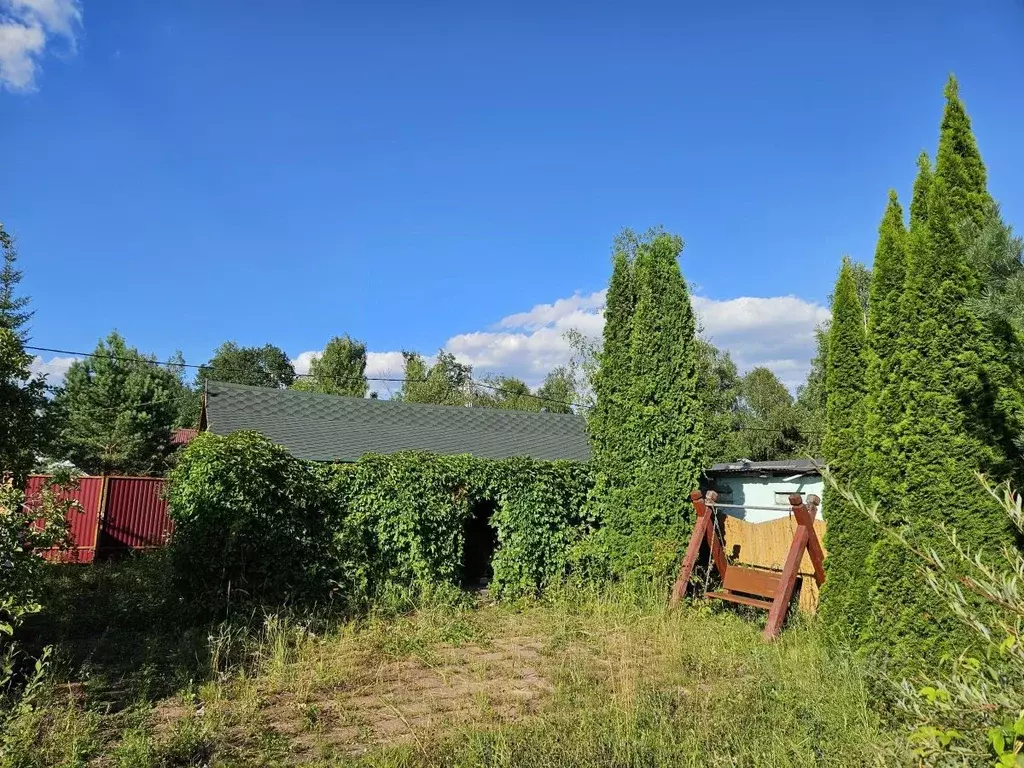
[(114, 515)]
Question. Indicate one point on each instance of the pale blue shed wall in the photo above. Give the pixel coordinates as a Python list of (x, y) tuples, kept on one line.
[(760, 491)]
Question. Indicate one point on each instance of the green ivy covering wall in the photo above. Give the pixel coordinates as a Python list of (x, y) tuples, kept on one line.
[(255, 523)]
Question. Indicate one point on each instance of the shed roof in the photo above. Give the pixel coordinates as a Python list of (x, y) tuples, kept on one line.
[(334, 428), (785, 466)]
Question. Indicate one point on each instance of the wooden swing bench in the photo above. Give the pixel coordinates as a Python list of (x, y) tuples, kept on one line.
[(746, 585)]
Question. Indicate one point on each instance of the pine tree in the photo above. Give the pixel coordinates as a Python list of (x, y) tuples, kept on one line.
[(849, 535), (118, 408), (959, 162), (13, 313)]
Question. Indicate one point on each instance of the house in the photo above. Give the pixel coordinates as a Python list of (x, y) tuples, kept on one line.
[(320, 427), (765, 484)]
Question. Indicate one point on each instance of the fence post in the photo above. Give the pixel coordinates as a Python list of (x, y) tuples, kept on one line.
[(101, 514)]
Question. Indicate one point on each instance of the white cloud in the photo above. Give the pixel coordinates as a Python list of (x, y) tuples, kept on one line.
[(777, 332), (27, 27), (54, 368)]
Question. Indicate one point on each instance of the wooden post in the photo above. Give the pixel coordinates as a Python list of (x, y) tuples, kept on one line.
[(714, 540), (692, 550), (805, 517), (787, 582)]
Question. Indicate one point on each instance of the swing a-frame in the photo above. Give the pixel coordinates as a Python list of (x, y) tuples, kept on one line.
[(745, 585)]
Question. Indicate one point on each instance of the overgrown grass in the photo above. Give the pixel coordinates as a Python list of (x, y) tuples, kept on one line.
[(579, 678)]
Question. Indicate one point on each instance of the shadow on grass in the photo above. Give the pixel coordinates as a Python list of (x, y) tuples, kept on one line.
[(118, 629)]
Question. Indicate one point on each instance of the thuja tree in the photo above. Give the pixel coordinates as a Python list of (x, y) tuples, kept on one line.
[(652, 439), (959, 162), (849, 535), (610, 456), (884, 406), (948, 366)]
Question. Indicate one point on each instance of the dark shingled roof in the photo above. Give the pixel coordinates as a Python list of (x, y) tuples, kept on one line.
[(333, 428), (785, 466)]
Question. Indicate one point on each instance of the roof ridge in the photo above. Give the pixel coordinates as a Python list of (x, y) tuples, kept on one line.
[(376, 402)]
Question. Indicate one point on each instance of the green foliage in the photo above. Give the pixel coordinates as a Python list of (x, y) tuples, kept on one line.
[(558, 391), (959, 163), (13, 309), (957, 420), (540, 519), (769, 419), (24, 426), (884, 404), (922, 186), (447, 382), (188, 400), (555, 395), (28, 526), (965, 710), (266, 366), (812, 396), (505, 393), (339, 370), (648, 431), (253, 521), (848, 538), (1001, 256), (117, 409), (719, 390), (610, 454), (942, 403)]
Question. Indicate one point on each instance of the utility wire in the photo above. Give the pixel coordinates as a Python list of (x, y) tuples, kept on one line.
[(398, 380), (390, 379)]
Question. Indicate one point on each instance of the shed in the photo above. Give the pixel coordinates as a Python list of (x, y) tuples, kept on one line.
[(321, 427), (765, 484)]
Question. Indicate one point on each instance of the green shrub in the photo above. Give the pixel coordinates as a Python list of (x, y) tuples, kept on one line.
[(251, 522), (968, 709), (28, 526)]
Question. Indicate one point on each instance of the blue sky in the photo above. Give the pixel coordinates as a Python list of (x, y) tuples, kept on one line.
[(412, 174)]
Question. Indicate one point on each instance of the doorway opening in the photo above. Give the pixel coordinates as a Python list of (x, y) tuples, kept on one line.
[(480, 540)]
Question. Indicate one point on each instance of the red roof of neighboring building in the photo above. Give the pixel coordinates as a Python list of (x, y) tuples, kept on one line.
[(183, 436)]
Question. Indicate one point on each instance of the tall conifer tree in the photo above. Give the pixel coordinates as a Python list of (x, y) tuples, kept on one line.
[(648, 424), (954, 416), (919, 201), (959, 162), (665, 418), (611, 387), (849, 535)]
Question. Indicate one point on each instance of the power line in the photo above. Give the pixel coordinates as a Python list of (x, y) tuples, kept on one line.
[(390, 379), (397, 380)]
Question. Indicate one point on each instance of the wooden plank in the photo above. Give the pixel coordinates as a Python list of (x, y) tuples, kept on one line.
[(753, 602), (767, 545), (787, 581), (693, 550), (752, 581)]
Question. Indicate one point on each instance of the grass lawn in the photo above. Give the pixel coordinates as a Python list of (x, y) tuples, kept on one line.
[(576, 679)]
